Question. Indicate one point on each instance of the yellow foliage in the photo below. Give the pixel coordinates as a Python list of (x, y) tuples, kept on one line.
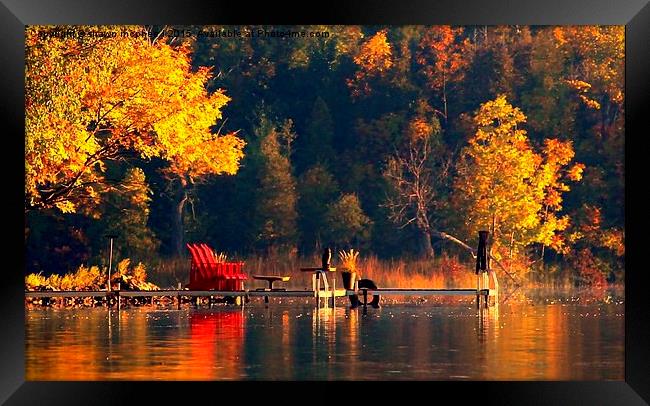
[(221, 257), (65, 206), (140, 272), (505, 186), (592, 104), (600, 53), (590, 229), (613, 239), (90, 278), (33, 281), (91, 98), (122, 268)]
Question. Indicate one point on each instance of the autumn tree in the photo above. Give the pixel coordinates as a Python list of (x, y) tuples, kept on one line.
[(442, 53), (597, 56), (505, 186), (414, 173), (91, 99), (373, 61), (594, 74)]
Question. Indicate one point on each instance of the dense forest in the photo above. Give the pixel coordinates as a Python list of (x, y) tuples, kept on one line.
[(400, 141)]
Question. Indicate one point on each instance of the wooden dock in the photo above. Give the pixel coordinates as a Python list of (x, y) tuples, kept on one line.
[(329, 295), (481, 295), (187, 293)]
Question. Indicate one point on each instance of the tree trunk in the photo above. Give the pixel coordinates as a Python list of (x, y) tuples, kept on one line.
[(178, 231), (426, 250)]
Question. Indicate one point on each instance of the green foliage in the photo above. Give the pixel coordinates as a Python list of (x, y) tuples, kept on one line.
[(276, 207), (317, 188), (316, 146), (345, 221), (126, 213)]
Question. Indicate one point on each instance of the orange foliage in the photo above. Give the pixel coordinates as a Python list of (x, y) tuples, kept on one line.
[(373, 60), (442, 54), (590, 228)]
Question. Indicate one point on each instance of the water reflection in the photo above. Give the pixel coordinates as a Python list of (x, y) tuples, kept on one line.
[(547, 338), (216, 341)]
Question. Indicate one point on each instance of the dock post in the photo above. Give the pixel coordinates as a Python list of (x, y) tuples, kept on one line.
[(333, 293), (495, 282), (317, 289), (482, 266), (117, 297)]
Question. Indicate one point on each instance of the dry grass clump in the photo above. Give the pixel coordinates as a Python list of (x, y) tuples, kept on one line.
[(92, 278)]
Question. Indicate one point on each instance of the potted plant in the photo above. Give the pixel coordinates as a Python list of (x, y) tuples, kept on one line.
[(349, 267)]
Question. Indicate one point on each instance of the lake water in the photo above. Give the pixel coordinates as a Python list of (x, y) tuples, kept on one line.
[(550, 336)]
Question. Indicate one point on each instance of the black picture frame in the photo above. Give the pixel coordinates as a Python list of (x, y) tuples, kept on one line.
[(15, 14)]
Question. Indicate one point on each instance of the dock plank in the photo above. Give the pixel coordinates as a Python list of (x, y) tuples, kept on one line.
[(426, 292)]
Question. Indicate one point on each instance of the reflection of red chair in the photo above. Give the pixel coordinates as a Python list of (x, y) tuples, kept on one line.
[(208, 274), (227, 324), (216, 342)]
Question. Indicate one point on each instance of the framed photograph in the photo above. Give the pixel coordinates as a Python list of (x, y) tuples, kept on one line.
[(434, 194)]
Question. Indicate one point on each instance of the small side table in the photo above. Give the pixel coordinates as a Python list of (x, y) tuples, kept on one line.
[(271, 278)]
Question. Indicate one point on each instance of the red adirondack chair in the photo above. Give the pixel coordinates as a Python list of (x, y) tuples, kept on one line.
[(208, 274), (230, 274), (241, 276), (203, 276), (234, 275), (196, 267), (216, 267)]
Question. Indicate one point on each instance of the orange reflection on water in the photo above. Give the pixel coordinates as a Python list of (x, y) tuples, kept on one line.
[(522, 340)]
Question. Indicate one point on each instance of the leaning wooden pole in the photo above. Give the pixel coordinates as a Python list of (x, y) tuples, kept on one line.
[(455, 240), (482, 266)]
